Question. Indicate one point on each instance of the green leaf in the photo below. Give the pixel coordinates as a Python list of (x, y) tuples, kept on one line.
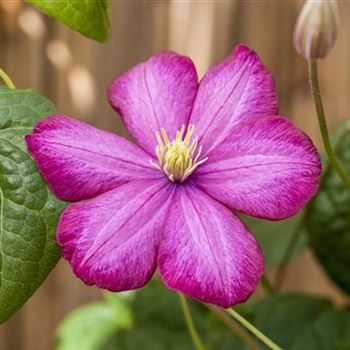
[(28, 211), (158, 321), (157, 324), (90, 326), (284, 318), (328, 218), (331, 331), (90, 18), (274, 236)]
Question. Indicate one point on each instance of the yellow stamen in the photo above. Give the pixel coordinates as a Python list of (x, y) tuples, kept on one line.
[(179, 158)]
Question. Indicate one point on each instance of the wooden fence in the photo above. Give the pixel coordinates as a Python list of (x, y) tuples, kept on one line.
[(73, 71)]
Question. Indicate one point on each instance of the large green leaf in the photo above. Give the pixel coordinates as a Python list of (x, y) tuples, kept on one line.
[(274, 236), (284, 318), (331, 331), (328, 218), (88, 17), (302, 322), (28, 210)]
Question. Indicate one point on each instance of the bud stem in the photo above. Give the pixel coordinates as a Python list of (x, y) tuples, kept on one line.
[(197, 342), (316, 92), (7, 79)]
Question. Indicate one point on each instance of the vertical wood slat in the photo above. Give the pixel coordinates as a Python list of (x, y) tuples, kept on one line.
[(204, 30), (190, 31)]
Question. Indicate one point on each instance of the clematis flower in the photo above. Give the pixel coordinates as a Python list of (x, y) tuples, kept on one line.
[(203, 151)]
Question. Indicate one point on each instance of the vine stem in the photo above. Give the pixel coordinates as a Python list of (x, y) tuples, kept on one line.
[(190, 325), (7, 80), (316, 92), (267, 341), (236, 328)]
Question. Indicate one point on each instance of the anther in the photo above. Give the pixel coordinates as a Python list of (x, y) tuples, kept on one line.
[(180, 157)]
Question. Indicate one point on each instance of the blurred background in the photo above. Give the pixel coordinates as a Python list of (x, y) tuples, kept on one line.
[(73, 72)]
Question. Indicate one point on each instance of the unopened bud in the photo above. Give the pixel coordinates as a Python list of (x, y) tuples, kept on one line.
[(316, 28)]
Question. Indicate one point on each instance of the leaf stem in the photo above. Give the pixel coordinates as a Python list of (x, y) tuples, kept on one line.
[(234, 326), (190, 325), (316, 92), (7, 80), (267, 341)]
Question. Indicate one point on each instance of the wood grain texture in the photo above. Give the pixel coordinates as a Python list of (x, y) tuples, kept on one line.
[(204, 30)]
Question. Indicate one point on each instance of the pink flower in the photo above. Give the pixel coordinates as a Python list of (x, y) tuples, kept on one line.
[(203, 150)]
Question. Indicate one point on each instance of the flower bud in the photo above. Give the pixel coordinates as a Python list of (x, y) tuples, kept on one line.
[(316, 28)]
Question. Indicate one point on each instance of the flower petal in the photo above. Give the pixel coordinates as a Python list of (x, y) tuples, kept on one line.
[(265, 168), (112, 240), (155, 94), (207, 252), (79, 161), (238, 88)]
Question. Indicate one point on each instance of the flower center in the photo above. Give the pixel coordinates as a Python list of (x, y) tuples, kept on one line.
[(180, 157)]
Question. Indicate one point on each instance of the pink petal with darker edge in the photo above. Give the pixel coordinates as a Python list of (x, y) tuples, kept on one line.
[(207, 252), (266, 168), (112, 240), (79, 161), (236, 89), (158, 93)]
